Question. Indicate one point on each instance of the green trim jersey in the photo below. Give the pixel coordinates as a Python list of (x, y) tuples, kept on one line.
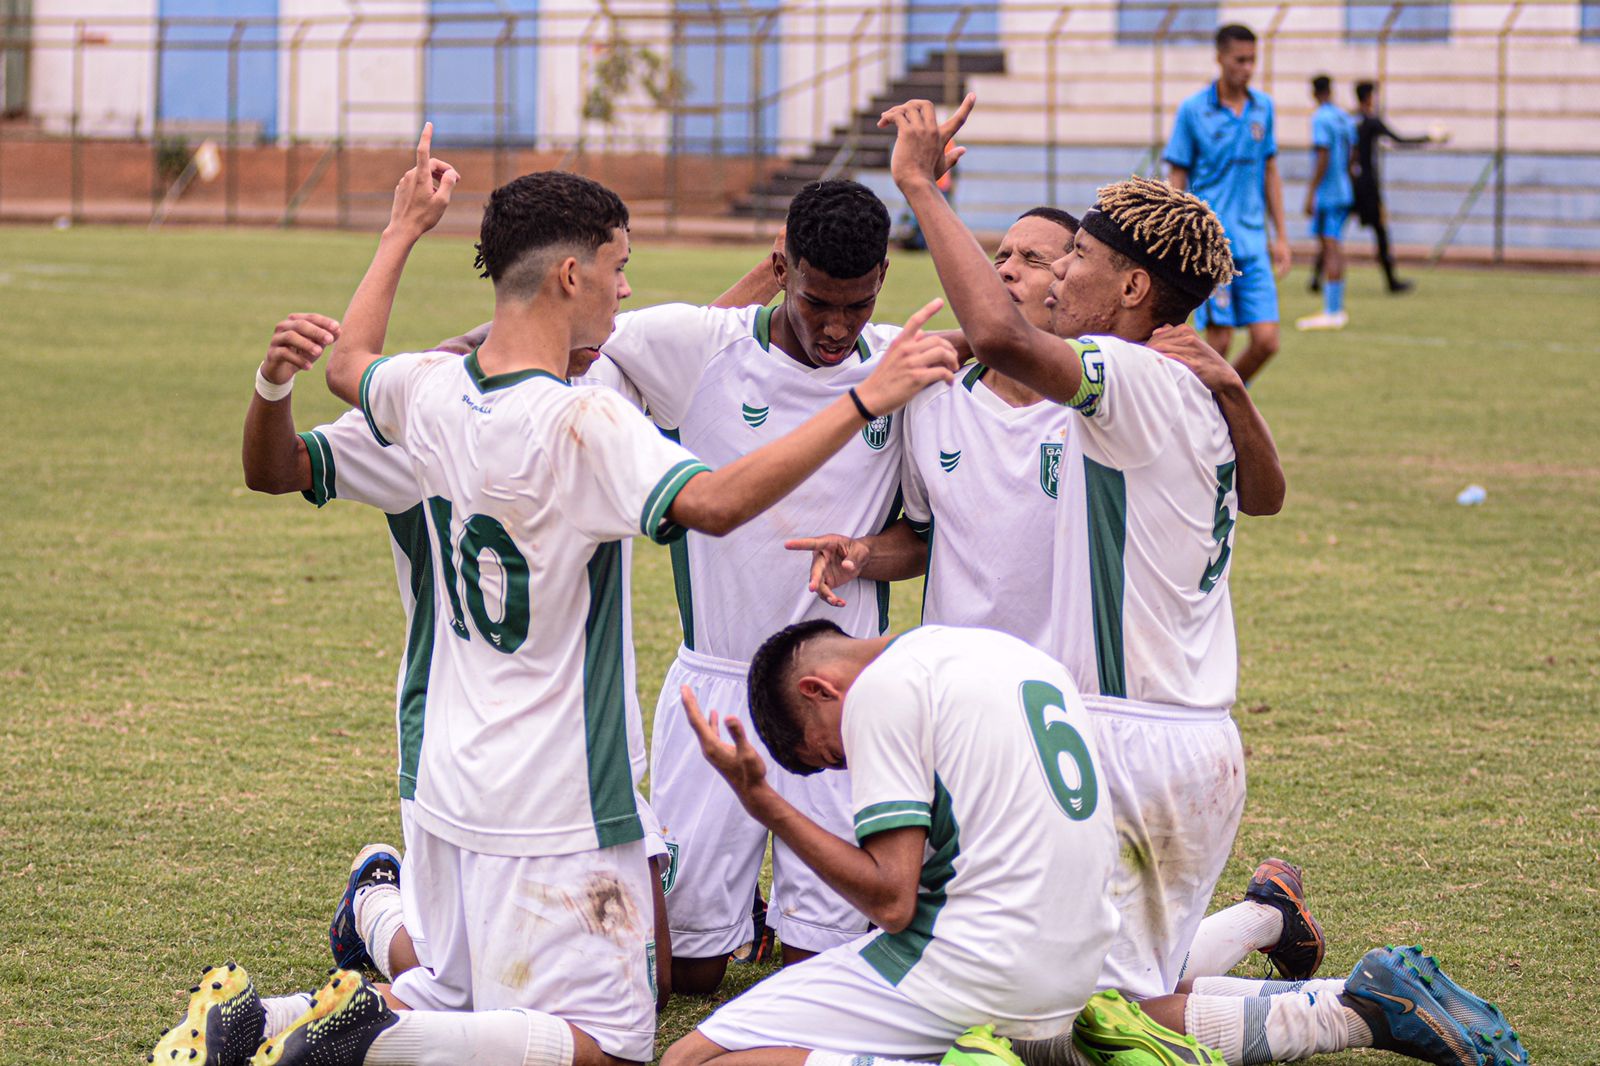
[(348, 464), (713, 379), (528, 486), (1144, 534), (982, 740), (980, 483)]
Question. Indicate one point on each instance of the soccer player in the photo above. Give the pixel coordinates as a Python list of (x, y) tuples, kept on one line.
[(1329, 197), (1146, 509), (527, 845), (984, 847), (724, 382), (1370, 129), (1224, 149)]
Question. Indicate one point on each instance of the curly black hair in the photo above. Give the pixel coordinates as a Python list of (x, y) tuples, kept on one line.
[(839, 227), (772, 703), (543, 210)]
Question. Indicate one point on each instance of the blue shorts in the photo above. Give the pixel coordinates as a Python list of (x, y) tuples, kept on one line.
[(1329, 221), (1250, 297)]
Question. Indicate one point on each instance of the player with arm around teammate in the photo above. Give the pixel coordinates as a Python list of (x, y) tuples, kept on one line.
[(528, 842), (982, 849)]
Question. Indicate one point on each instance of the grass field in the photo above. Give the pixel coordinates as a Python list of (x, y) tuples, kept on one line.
[(196, 682)]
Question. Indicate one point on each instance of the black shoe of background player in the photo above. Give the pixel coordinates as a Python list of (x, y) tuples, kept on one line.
[(1397, 287)]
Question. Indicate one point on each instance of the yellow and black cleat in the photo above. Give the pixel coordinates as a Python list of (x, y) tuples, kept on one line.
[(222, 1026), (346, 1016)]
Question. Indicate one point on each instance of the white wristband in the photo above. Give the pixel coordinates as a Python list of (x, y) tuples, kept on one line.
[(271, 390)]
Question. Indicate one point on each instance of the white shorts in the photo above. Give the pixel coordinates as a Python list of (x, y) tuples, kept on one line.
[(718, 847), (836, 1003), (1177, 787), (570, 935)]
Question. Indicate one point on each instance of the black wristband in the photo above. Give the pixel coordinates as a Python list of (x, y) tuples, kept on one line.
[(861, 408)]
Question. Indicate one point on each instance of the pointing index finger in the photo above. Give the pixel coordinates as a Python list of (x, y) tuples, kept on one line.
[(959, 119), (917, 320), (424, 147)]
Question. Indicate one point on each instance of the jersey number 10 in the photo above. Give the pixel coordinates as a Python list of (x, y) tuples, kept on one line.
[(481, 533)]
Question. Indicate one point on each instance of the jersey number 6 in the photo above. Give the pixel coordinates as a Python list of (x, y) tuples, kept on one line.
[(481, 533), (1057, 741)]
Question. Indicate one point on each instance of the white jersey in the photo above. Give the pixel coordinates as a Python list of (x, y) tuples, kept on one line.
[(1144, 534), (980, 486), (348, 464), (712, 378), (983, 741), (528, 486)]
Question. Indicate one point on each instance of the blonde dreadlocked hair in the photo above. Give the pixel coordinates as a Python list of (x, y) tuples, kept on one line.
[(1169, 221)]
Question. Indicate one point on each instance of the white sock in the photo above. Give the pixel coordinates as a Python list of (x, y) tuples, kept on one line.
[(1280, 1028), (828, 1058), (282, 1012), (1247, 986), (1227, 938), (1056, 1051), (379, 917), (486, 1038)]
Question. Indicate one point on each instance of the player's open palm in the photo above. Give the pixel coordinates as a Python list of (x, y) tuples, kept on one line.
[(924, 147), (297, 341), (423, 192), (914, 361), (739, 763)]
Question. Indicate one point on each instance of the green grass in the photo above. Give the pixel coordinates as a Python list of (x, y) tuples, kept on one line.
[(196, 682)]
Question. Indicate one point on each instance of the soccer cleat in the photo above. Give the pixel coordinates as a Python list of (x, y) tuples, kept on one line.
[(1112, 1031), (979, 1046), (1413, 1008), (222, 1025), (346, 1016), (1298, 953), (1397, 287), (1323, 320), (375, 864), (765, 944)]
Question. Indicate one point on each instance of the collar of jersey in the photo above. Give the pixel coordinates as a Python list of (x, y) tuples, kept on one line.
[(763, 335), (503, 381), (1217, 104)]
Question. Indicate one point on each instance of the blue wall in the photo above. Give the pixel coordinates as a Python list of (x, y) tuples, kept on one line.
[(937, 17), (1194, 21), (737, 127), (194, 69), (459, 72), (1419, 21)]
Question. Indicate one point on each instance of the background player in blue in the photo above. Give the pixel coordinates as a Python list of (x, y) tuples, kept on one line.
[(1224, 149), (1329, 197)]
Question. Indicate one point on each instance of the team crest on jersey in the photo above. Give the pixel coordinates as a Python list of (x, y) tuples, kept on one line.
[(948, 460), (1050, 469), (1257, 131), (669, 876), (876, 432), (754, 417)]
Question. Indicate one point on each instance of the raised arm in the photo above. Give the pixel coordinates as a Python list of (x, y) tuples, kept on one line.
[(420, 200), (991, 323), (879, 878), (1384, 131), (1259, 474), (275, 458), (719, 501)]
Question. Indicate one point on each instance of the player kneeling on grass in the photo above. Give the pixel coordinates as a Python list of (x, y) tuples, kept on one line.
[(527, 860), (986, 848)]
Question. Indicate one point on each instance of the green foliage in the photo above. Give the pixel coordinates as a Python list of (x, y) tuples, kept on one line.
[(619, 66), (196, 682)]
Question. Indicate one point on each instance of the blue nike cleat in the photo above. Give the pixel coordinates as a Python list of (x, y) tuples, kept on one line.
[(1413, 1008), (375, 864)]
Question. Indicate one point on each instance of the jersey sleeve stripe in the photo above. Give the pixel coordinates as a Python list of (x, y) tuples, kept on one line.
[(652, 521), (894, 814), (322, 470), (366, 380)]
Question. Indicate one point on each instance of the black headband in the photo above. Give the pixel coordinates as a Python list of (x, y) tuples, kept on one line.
[(1167, 267)]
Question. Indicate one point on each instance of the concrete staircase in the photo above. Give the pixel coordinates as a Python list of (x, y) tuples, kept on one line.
[(859, 144)]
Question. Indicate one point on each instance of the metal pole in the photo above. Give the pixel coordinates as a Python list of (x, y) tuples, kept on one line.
[(157, 123), (291, 155), (1052, 108), (1159, 75), (1502, 60), (501, 66), (230, 203), (342, 176), (1271, 46), (75, 207)]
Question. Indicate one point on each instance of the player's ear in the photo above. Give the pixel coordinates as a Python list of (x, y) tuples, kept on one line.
[(1136, 286), (567, 275), (780, 269)]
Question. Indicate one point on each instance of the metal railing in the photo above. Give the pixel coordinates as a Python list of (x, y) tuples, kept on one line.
[(753, 84)]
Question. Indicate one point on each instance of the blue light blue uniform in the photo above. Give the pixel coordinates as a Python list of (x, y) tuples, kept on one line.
[(1226, 157), (1335, 131)]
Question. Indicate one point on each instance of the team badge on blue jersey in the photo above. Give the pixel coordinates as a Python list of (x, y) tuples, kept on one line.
[(1050, 469), (876, 432), (1257, 131)]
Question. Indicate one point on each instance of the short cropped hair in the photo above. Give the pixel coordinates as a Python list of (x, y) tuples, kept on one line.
[(539, 212), (1321, 84), (839, 227), (1365, 89), (1065, 219), (1235, 31), (774, 709)]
